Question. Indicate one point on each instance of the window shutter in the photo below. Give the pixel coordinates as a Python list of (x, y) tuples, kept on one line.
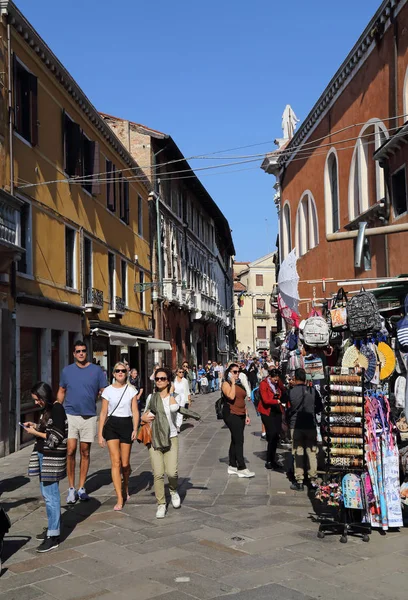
[(17, 93), (34, 110), (96, 186), (126, 200), (64, 141)]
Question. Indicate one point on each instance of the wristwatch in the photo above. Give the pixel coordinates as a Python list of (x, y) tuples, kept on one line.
[(173, 395)]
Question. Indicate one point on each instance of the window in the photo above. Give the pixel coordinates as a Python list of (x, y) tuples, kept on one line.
[(87, 269), (331, 193), (90, 165), (399, 192), (111, 274), (258, 280), (286, 231), (81, 155), (24, 241), (261, 333), (366, 182), (72, 146), (110, 186), (180, 205), (142, 294), (307, 236), (70, 239), (124, 199), (140, 215), (25, 103), (261, 306), (123, 273)]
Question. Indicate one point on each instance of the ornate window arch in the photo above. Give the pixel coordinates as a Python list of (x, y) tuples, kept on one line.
[(366, 182), (331, 192), (307, 225), (286, 230)]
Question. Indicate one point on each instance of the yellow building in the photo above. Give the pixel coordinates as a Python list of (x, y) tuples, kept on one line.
[(255, 319), (75, 235)]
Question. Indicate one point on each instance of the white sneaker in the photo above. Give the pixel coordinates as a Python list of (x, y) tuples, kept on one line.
[(175, 500), (245, 473), (161, 511), (232, 470)]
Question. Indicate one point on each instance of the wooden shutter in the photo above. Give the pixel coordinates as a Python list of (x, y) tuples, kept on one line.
[(110, 186), (259, 280), (17, 94), (260, 305), (33, 110), (96, 186), (126, 200), (261, 333)]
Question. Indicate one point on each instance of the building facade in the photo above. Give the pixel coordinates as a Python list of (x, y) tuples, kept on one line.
[(191, 250), (341, 185), (74, 229), (255, 317)]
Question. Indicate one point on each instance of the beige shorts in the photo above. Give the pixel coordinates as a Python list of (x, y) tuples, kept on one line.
[(82, 428)]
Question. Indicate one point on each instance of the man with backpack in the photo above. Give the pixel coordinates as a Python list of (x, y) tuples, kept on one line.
[(304, 403)]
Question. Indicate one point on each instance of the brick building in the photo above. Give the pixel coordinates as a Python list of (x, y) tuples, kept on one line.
[(341, 178)]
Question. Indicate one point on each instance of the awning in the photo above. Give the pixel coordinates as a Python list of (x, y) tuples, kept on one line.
[(117, 338), (156, 344)]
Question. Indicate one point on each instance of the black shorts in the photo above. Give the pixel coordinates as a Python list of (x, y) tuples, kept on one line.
[(119, 428)]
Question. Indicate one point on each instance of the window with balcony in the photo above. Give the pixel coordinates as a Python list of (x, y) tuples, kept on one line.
[(25, 103), (124, 281), (70, 258), (140, 215), (261, 333), (25, 239), (259, 280), (261, 306), (111, 186), (307, 235), (87, 265), (399, 192)]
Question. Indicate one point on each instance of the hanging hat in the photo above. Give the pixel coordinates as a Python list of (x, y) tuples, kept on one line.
[(350, 357), (388, 369), (371, 359), (399, 391)]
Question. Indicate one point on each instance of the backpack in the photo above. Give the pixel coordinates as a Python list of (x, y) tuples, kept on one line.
[(363, 315), (316, 332), (295, 361), (219, 407)]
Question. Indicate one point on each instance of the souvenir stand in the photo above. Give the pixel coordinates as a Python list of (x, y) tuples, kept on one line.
[(343, 440)]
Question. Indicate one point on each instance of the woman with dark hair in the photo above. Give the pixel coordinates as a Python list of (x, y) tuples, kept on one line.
[(49, 459), (270, 409), (235, 417)]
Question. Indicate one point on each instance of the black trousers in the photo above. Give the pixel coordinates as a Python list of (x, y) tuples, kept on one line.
[(273, 426), (236, 425)]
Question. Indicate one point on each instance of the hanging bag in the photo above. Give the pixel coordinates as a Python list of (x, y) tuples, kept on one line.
[(338, 312), (316, 331), (402, 328), (363, 315)]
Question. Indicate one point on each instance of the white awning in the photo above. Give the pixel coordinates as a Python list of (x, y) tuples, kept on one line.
[(156, 344), (117, 338)]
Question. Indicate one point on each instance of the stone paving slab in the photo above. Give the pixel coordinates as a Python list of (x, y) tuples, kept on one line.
[(251, 539)]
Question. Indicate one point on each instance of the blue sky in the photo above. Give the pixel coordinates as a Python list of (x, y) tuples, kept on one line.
[(214, 75)]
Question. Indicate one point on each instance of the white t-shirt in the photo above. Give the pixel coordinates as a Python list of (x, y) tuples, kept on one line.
[(171, 412), (181, 388), (112, 395)]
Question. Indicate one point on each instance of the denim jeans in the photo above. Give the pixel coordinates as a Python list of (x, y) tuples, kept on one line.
[(194, 385), (216, 384), (50, 493)]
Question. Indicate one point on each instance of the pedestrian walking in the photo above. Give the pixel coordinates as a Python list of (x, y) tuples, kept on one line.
[(182, 390), (200, 374), (270, 408), (134, 379), (210, 376), (217, 381), (49, 459), (188, 373), (118, 423), (304, 404), (80, 385), (194, 381), (235, 416), (161, 410)]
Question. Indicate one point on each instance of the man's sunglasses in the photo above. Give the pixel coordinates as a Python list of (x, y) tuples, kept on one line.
[(120, 371), (80, 351), (160, 378)]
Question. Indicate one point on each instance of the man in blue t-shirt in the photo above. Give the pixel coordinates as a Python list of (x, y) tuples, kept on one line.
[(79, 388)]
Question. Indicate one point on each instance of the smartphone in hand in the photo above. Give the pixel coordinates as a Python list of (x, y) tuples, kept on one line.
[(22, 425)]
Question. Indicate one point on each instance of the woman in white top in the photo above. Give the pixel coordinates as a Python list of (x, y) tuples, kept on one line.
[(120, 414), (182, 390), (164, 462)]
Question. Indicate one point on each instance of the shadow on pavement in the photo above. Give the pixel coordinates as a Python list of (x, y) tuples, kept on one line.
[(9, 546), (12, 484), (76, 514)]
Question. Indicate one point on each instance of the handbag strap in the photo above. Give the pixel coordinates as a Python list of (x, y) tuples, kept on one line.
[(120, 400)]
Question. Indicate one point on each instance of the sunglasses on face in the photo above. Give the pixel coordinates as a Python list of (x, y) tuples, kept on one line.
[(160, 378), (235, 372), (120, 371), (80, 351)]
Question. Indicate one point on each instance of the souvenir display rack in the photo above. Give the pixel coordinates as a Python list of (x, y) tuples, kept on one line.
[(344, 442)]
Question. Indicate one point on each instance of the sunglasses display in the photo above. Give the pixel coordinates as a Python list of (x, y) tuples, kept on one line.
[(160, 378), (120, 371)]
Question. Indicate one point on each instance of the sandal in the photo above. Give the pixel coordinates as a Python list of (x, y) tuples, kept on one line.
[(118, 506)]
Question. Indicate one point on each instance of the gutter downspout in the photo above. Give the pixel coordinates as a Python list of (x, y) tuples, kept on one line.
[(10, 106)]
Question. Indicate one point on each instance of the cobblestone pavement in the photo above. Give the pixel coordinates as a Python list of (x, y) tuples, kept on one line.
[(245, 539)]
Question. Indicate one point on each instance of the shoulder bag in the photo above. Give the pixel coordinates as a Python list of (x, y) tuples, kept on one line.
[(109, 416)]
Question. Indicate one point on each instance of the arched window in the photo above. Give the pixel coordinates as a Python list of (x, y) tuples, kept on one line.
[(307, 234), (366, 183), (286, 231), (405, 97), (331, 193)]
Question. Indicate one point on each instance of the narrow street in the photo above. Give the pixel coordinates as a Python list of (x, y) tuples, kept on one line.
[(244, 538)]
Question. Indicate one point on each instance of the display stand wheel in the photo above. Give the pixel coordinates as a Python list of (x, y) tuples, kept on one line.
[(320, 534), (366, 538), (343, 539)]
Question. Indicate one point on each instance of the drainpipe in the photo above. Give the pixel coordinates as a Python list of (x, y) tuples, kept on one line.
[(10, 107)]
